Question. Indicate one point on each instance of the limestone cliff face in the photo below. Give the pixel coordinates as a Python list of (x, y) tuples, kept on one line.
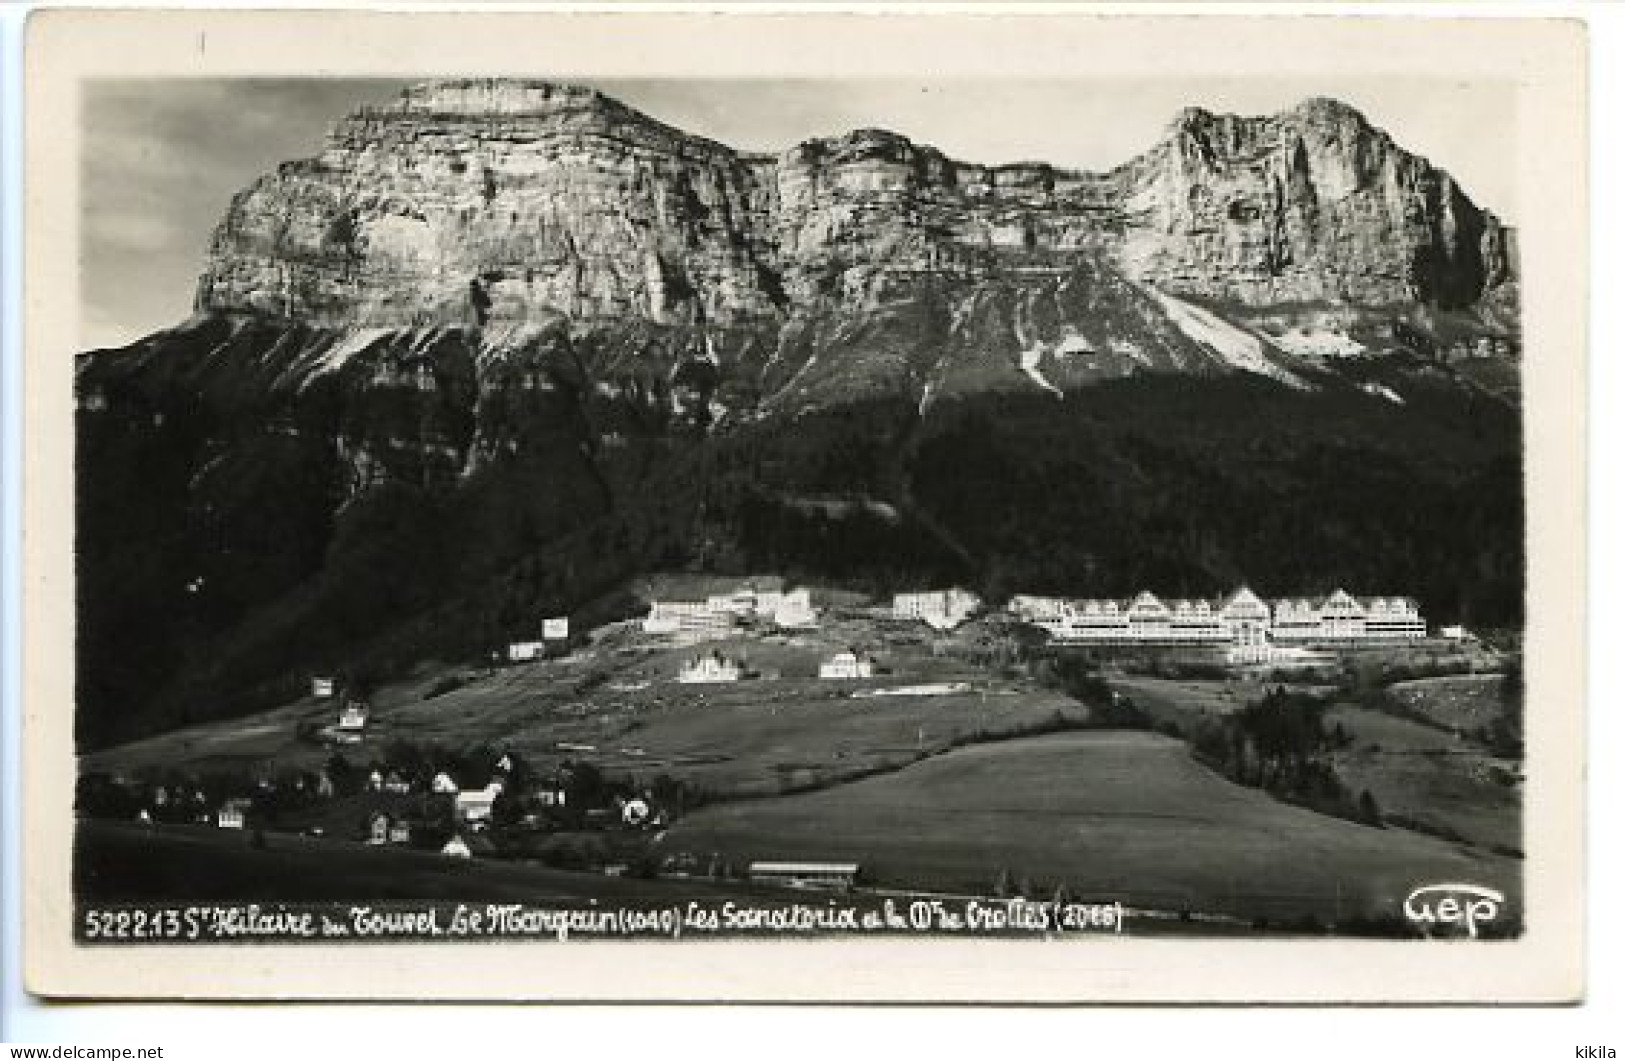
[(488, 201), (1312, 204), (472, 201)]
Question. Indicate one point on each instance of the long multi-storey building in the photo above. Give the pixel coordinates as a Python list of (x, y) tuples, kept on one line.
[(1242, 618), (720, 612), (671, 616), (1341, 617)]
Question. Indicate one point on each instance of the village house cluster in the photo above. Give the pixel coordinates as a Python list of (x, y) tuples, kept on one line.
[(427, 809), (1242, 619)]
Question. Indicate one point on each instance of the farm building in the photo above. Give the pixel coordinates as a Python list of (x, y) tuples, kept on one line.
[(836, 875), (940, 609), (709, 667), (848, 664)]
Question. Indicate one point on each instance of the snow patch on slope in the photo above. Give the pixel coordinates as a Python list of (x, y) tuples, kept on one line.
[(1380, 391), (1317, 342), (1072, 345), (1239, 348), (1032, 353), (1029, 364), (925, 398), (354, 343), (1124, 348)]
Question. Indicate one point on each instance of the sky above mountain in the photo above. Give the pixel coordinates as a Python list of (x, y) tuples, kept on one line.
[(160, 159)]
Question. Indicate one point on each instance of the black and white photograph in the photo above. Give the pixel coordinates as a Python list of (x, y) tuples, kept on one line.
[(556, 507)]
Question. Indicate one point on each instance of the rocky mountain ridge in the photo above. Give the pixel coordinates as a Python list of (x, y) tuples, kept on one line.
[(473, 201)]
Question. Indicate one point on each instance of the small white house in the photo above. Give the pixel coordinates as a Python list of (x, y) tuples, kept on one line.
[(233, 814), (321, 688), (556, 629), (457, 847), (475, 805), (635, 811), (710, 667), (1455, 633), (443, 784), (845, 665), (353, 717), (794, 610), (524, 651)]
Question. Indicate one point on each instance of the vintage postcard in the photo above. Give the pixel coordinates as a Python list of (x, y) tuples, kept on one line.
[(852, 506)]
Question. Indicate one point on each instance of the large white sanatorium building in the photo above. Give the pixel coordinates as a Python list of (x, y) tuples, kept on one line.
[(1239, 619), (941, 609), (720, 612)]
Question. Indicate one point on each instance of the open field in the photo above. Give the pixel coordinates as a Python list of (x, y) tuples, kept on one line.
[(1112, 815), (1183, 701), (1436, 779), (617, 703), (1463, 702)]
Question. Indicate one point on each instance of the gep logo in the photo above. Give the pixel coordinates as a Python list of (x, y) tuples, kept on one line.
[(1448, 905)]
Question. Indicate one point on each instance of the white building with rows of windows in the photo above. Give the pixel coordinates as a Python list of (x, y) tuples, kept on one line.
[(675, 616), (940, 609), (1341, 617), (1242, 619), (720, 612)]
